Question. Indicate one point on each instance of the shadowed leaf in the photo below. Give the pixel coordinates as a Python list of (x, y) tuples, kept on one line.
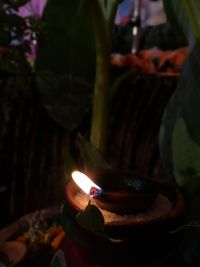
[(66, 97), (91, 156), (65, 62), (184, 15), (180, 129), (91, 219)]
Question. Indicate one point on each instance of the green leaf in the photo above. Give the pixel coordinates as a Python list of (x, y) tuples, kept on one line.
[(180, 128), (91, 219), (184, 14), (111, 9), (56, 262), (92, 157), (180, 134), (66, 98), (186, 155), (67, 52), (68, 45), (69, 225), (78, 234), (102, 4)]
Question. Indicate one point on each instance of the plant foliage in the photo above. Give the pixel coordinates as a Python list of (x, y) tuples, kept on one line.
[(65, 64), (77, 45), (180, 129), (92, 157), (91, 219)]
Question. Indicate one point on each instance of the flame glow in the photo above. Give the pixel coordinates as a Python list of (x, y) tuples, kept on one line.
[(86, 184)]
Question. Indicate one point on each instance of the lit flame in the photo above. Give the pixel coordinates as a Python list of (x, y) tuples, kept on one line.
[(86, 184)]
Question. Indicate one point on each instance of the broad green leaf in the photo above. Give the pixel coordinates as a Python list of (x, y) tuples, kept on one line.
[(66, 48), (56, 262), (184, 104), (180, 148), (92, 157), (111, 9), (68, 45), (91, 219), (103, 6), (180, 134), (70, 227), (77, 233), (185, 14), (67, 98), (186, 161), (186, 154), (180, 129)]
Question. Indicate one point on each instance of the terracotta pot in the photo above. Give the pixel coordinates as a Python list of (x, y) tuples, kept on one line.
[(138, 243), (132, 228)]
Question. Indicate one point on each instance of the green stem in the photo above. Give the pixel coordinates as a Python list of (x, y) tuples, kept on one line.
[(99, 122)]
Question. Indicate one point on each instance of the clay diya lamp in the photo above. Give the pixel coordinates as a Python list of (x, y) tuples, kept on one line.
[(142, 211), (117, 191), (146, 207)]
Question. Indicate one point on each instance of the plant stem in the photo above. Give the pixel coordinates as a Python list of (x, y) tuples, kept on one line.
[(99, 122)]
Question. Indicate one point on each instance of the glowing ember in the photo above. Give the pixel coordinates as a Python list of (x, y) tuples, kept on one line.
[(86, 184)]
